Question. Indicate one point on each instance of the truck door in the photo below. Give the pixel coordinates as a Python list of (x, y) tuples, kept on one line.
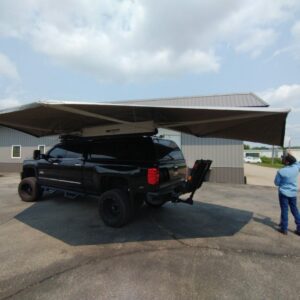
[(71, 167), (62, 168)]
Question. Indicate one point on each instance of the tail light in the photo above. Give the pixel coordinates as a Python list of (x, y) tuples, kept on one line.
[(153, 176)]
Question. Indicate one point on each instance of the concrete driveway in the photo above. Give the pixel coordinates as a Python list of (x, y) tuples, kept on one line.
[(223, 247), (257, 175)]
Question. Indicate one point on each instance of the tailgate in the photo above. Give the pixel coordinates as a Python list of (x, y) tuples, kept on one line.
[(172, 172)]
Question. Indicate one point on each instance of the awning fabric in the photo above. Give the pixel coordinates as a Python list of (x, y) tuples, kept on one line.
[(44, 118)]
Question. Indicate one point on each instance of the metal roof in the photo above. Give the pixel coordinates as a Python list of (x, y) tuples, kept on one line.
[(229, 100)]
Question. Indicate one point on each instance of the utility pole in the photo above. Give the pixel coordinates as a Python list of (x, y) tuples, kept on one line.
[(273, 152)]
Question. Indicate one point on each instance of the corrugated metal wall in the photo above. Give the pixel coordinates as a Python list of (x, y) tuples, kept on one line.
[(224, 152), (227, 175), (9, 137), (227, 157)]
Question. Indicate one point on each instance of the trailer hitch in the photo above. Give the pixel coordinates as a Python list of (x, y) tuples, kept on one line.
[(189, 200)]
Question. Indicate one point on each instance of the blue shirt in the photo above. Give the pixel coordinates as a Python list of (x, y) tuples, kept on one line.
[(287, 180)]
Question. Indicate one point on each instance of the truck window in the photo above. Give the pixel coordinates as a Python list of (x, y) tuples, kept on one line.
[(167, 150), (57, 152), (73, 151), (127, 149)]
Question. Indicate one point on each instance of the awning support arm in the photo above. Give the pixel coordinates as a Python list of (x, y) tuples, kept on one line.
[(88, 114), (141, 125)]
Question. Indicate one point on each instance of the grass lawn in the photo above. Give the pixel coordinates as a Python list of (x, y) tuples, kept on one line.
[(267, 162), (275, 165)]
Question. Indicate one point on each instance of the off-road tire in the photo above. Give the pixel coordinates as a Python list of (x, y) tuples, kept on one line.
[(29, 190), (114, 207)]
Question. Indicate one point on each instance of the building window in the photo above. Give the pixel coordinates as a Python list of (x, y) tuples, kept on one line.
[(42, 148), (16, 151)]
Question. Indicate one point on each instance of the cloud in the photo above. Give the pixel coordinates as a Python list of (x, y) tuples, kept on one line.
[(128, 40), (293, 47), (7, 68), (287, 96), (296, 30), (257, 41), (9, 102), (12, 95)]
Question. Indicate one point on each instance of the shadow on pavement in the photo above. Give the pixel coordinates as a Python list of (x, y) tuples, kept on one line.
[(76, 222), (266, 221)]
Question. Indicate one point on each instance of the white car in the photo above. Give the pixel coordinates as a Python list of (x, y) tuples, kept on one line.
[(252, 160)]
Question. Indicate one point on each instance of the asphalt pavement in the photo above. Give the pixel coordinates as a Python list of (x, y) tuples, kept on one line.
[(225, 246)]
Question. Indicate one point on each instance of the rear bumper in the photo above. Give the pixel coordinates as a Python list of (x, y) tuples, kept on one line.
[(167, 193)]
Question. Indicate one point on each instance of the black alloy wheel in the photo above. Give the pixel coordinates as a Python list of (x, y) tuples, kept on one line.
[(114, 207)]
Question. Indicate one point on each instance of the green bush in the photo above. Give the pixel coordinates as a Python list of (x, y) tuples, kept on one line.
[(268, 160)]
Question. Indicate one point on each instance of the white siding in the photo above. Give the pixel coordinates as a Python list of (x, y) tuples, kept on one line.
[(9, 137)]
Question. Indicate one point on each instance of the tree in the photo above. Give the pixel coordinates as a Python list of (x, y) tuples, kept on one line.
[(246, 147)]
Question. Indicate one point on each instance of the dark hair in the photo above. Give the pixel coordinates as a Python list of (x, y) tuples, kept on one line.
[(290, 159)]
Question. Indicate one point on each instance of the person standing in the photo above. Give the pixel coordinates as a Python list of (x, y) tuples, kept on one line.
[(287, 181)]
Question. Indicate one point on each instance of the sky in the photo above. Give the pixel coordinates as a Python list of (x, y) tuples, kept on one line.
[(108, 50)]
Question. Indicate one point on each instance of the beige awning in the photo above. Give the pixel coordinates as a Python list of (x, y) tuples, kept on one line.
[(263, 125)]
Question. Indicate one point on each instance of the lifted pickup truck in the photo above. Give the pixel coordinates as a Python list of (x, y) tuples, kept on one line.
[(124, 171)]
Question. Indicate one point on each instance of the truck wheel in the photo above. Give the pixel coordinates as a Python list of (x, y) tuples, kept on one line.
[(114, 208), (29, 190)]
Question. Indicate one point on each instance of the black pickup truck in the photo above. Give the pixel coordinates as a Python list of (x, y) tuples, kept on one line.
[(124, 172)]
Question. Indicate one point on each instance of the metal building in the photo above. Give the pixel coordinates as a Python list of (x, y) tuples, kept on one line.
[(227, 155), (15, 146)]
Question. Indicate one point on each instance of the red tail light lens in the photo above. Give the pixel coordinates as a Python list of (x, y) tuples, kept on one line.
[(153, 176)]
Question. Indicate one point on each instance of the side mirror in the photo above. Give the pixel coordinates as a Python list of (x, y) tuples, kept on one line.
[(36, 154)]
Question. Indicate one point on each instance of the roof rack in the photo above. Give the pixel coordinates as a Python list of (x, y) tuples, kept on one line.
[(75, 137)]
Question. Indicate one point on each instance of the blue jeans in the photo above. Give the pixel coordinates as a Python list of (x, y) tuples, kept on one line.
[(285, 202)]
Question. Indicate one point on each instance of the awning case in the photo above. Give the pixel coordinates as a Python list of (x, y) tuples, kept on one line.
[(46, 118)]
